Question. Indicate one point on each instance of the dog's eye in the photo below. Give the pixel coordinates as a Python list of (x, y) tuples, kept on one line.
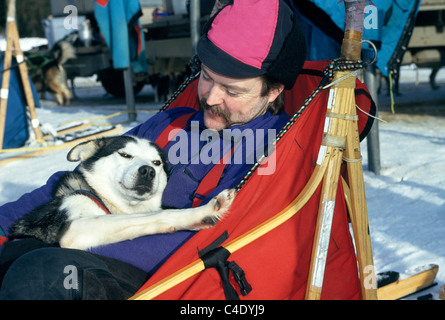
[(125, 155), (157, 162)]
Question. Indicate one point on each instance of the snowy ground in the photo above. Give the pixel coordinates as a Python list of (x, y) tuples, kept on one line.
[(406, 202)]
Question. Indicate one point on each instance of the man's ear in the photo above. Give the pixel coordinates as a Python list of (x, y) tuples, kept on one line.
[(275, 92), (85, 150)]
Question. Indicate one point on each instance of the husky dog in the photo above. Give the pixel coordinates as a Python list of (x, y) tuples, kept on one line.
[(52, 76), (114, 195)]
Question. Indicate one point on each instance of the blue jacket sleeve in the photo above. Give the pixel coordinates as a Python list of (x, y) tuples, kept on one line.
[(12, 211)]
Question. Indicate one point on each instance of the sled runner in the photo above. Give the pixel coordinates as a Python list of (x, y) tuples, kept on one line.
[(421, 279), (67, 140)]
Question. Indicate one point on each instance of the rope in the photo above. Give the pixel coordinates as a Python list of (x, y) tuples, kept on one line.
[(329, 71), (351, 160), (391, 93), (33, 68), (89, 120), (370, 115), (354, 73), (194, 65), (54, 147), (12, 67)]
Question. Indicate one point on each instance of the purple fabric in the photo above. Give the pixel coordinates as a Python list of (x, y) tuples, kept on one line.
[(12, 211)]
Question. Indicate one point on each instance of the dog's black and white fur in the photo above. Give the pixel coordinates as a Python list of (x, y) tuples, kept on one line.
[(129, 175)]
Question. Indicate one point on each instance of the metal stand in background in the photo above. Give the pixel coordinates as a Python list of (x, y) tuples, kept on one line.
[(195, 26), (195, 30), (129, 94), (372, 139)]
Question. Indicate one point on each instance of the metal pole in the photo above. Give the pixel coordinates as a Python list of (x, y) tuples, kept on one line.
[(372, 139), (195, 26), (129, 94)]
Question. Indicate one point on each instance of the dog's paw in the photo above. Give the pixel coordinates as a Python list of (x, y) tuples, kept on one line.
[(223, 200), (219, 206), (215, 209)]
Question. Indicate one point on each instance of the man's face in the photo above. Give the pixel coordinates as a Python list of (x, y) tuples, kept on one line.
[(228, 101)]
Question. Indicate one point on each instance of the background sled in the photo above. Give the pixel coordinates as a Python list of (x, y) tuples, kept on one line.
[(67, 137), (13, 47), (71, 139)]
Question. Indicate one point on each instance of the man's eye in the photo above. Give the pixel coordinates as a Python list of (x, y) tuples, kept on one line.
[(206, 77), (157, 162), (125, 155), (232, 93)]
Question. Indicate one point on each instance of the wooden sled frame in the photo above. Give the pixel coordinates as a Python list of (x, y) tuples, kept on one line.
[(341, 142), (13, 46)]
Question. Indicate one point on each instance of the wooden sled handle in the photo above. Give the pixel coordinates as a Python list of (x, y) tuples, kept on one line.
[(344, 104), (352, 39)]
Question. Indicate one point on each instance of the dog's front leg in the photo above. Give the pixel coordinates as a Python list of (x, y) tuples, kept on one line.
[(100, 230)]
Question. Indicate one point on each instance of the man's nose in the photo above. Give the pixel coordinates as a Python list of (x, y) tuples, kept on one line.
[(215, 96)]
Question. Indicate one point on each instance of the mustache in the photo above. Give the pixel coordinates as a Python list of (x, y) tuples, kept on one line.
[(215, 110)]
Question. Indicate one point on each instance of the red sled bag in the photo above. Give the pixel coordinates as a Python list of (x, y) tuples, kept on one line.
[(276, 265)]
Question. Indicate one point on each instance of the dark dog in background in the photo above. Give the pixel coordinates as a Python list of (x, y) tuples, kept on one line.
[(47, 72)]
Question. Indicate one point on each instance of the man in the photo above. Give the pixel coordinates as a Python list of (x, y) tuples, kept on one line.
[(250, 52)]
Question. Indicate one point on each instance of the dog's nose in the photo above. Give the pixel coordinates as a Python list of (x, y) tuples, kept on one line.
[(147, 171)]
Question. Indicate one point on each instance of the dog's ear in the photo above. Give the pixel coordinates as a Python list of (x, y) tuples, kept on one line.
[(85, 150)]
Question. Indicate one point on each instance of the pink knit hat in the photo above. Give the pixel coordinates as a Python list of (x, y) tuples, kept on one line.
[(249, 38)]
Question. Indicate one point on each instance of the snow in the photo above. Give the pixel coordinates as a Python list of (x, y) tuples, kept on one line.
[(25, 44), (406, 202)]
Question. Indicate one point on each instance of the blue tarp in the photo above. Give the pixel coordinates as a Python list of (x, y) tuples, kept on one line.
[(320, 46), (384, 23), (119, 24), (16, 125)]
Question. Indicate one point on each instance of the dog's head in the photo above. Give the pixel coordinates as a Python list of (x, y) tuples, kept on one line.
[(123, 169)]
